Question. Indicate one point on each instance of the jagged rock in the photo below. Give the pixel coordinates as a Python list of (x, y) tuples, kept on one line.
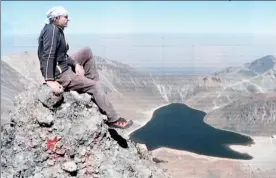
[(48, 98), (46, 121), (69, 166), (158, 160), (82, 151), (78, 143), (83, 98), (50, 162), (142, 149)]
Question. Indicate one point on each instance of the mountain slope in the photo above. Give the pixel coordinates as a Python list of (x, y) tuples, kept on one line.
[(252, 115), (263, 64), (12, 83), (258, 66), (26, 64)]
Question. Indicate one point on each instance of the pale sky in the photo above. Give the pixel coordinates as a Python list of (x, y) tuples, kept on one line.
[(195, 33), (144, 17)]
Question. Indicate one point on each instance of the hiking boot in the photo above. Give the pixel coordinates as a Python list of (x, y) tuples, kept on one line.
[(121, 123)]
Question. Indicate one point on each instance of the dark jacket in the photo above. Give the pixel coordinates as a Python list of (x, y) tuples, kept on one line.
[(52, 52)]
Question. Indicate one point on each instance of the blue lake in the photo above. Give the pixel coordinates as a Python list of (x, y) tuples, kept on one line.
[(180, 127)]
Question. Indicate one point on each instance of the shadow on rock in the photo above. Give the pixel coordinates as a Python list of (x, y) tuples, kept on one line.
[(120, 140)]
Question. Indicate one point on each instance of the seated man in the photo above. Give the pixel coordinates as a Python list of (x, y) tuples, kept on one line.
[(77, 72)]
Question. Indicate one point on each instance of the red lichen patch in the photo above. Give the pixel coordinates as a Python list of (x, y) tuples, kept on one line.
[(51, 143), (55, 147)]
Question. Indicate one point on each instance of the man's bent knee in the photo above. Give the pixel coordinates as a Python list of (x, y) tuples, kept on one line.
[(83, 55), (87, 51)]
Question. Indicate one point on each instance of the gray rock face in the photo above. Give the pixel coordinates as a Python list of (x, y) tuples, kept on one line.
[(70, 166), (48, 98), (77, 144)]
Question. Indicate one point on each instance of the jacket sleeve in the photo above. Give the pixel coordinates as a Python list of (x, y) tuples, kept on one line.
[(50, 39), (71, 62)]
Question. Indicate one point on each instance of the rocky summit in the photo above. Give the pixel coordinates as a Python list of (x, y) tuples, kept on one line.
[(66, 136)]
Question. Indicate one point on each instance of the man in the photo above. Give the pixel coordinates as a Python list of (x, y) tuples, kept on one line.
[(77, 72)]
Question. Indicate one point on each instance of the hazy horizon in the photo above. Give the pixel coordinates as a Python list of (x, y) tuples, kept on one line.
[(152, 34), (162, 50)]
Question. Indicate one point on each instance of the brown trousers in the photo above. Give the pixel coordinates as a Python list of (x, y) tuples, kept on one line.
[(89, 83)]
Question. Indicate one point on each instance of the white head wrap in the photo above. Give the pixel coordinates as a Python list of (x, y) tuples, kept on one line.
[(55, 12)]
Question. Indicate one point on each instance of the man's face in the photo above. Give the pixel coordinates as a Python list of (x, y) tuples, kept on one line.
[(62, 21)]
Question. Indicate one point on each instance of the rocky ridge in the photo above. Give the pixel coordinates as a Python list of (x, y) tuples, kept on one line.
[(66, 136), (12, 83), (250, 69), (255, 115)]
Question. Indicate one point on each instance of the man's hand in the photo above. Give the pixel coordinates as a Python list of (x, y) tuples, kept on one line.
[(56, 87), (79, 70)]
